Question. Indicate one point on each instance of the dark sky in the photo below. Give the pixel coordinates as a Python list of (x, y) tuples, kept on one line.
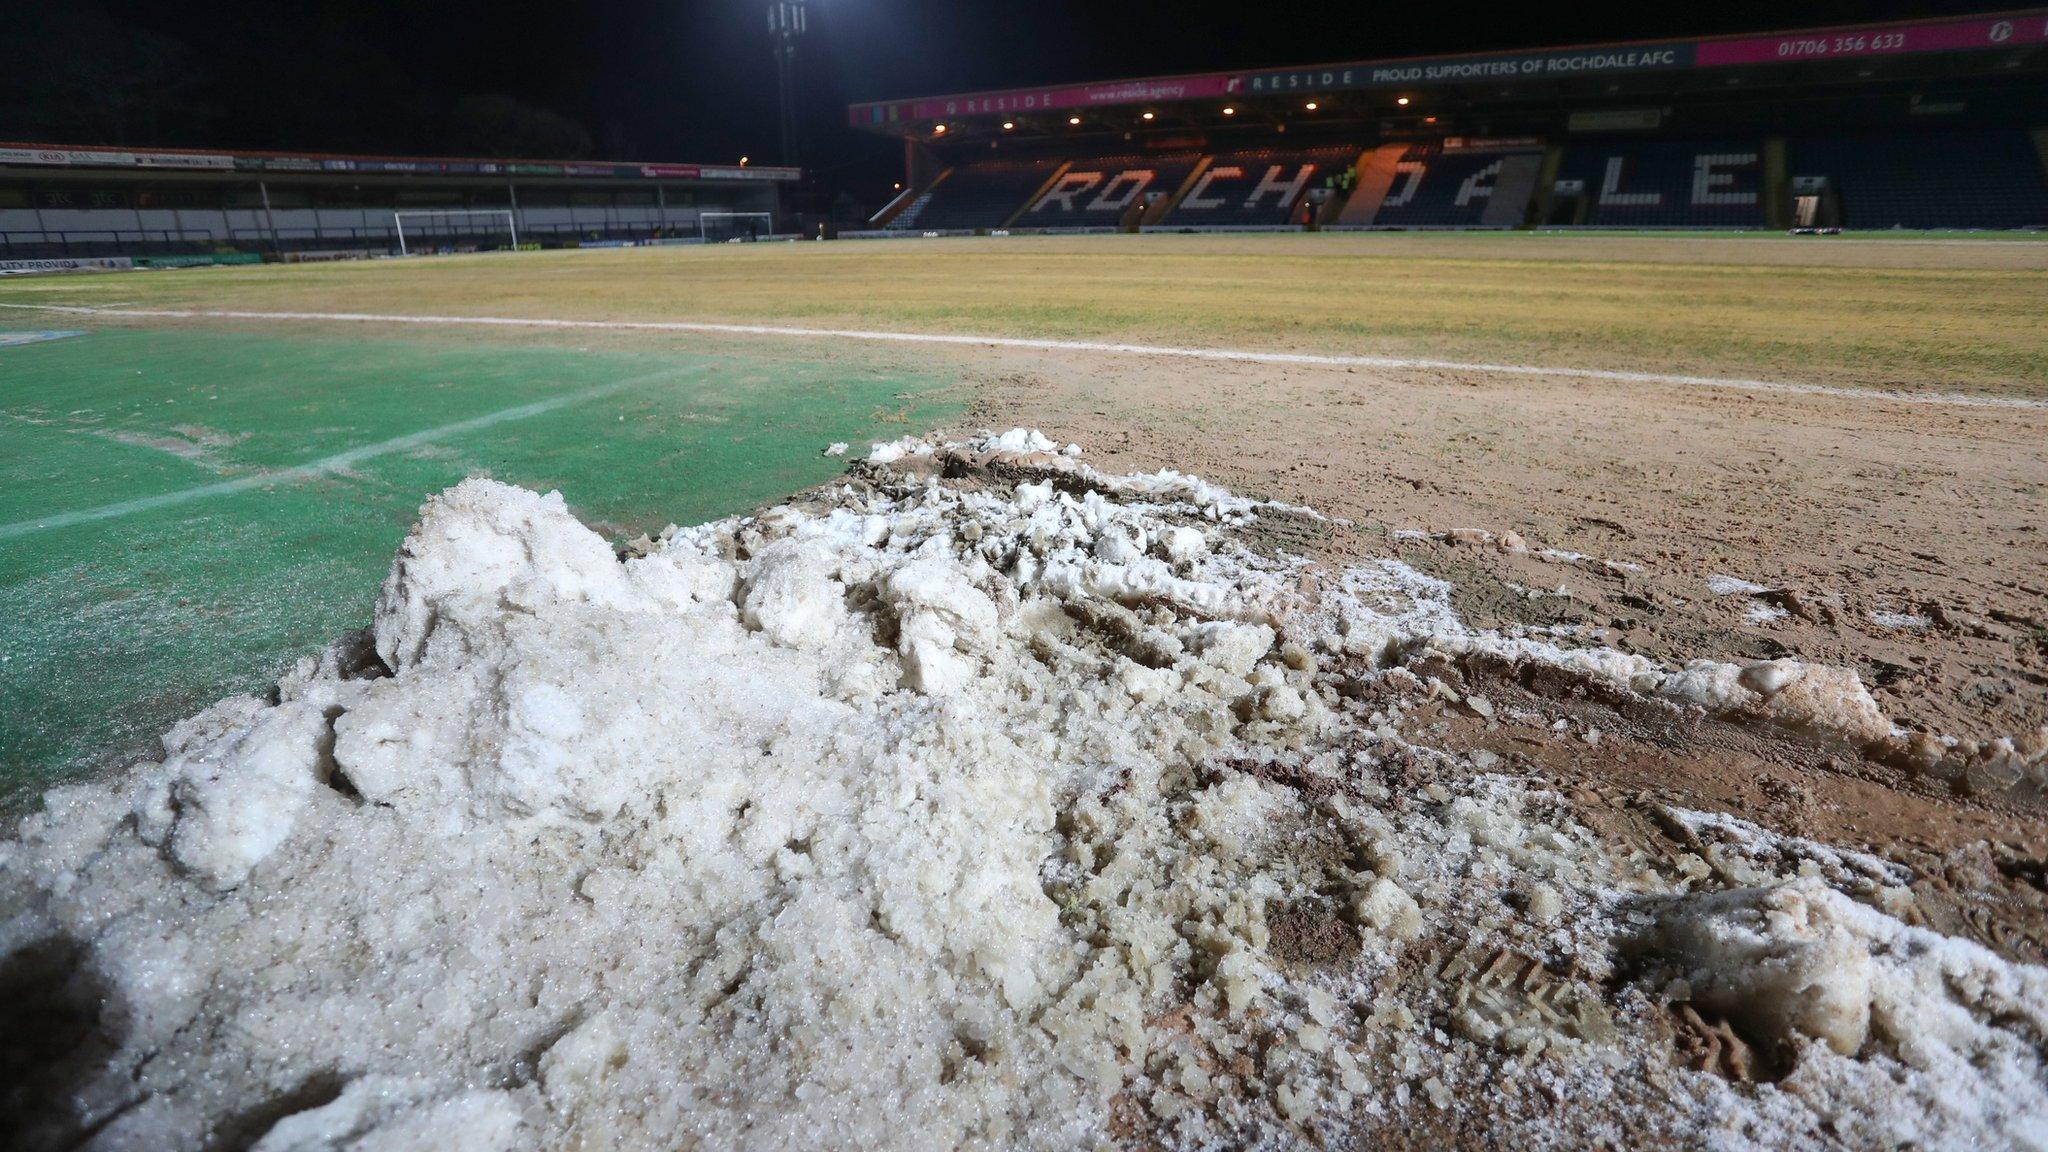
[(692, 80)]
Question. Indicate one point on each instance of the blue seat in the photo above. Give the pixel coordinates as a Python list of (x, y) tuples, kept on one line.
[(1980, 179), (1259, 187), (1435, 189), (1669, 184), (1096, 192), (983, 194)]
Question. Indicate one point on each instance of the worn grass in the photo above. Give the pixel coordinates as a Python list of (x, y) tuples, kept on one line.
[(1914, 314)]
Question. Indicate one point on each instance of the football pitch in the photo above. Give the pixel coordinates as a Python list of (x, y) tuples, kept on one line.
[(194, 502)]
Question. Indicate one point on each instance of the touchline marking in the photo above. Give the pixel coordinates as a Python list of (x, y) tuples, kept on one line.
[(1947, 399), (322, 467)]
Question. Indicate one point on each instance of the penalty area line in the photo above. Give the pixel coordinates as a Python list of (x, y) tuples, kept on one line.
[(1223, 355)]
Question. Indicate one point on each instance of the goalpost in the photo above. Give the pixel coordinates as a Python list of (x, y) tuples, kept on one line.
[(735, 227), (399, 218)]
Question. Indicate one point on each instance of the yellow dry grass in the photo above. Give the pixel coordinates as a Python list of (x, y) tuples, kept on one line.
[(1915, 314)]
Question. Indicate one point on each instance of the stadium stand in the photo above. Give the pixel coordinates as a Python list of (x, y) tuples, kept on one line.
[(1662, 184), (983, 194), (1432, 188), (1107, 191), (58, 203), (1934, 123), (1262, 187), (1926, 180)]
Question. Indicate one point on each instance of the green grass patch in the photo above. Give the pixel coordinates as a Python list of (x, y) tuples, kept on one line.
[(119, 626)]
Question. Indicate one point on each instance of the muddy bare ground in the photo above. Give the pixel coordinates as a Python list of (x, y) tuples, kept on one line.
[(1905, 541)]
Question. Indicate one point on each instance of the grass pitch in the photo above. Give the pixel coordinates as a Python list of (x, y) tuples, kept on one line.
[(1953, 315)]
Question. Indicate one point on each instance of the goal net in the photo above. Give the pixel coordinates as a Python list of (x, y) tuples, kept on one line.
[(735, 227), (477, 226)]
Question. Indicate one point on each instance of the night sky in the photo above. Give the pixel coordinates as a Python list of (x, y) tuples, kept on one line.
[(693, 80)]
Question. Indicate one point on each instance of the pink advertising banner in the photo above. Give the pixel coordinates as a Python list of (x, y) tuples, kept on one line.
[(1884, 40), (1080, 96)]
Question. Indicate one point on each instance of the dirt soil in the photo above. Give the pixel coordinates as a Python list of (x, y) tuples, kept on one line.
[(1905, 541)]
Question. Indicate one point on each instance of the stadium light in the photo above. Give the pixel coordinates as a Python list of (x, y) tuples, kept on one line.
[(1403, 101), (1312, 105), (788, 21), (1074, 120), (1230, 111), (743, 161), (1009, 126), (1148, 116), (938, 129)]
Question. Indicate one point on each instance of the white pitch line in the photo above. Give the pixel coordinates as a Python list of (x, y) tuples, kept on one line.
[(1945, 399), (322, 467)]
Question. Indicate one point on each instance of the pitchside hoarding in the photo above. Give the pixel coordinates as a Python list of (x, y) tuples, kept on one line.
[(80, 158), (1987, 33), (66, 264)]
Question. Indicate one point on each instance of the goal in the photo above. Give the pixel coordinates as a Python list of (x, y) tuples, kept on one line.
[(735, 227), (454, 224)]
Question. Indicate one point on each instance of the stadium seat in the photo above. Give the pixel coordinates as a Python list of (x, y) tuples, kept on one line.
[(984, 194), (1945, 180), (1437, 189), (1099, 191), (1259, 187), (1668, 184)]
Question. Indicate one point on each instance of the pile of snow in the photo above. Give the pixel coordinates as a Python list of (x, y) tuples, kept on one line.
[(1004, 812)]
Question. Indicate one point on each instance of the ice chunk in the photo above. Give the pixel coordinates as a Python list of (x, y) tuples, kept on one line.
[(794, 594), (1780, 961), (479, 547)]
